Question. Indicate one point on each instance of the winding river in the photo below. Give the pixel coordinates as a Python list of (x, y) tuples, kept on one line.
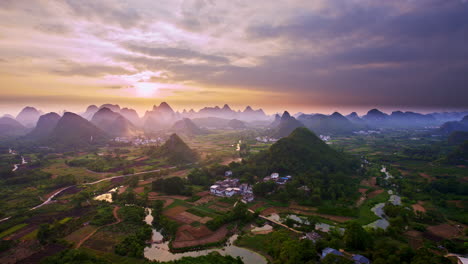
[(160, 251)]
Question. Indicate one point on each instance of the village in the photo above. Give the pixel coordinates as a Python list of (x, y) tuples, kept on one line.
[(140, 141), (231, 186)]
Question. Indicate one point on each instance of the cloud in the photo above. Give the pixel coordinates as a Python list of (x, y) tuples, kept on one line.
[(71, 68), (111, 12), (176, 53), (58, 29)]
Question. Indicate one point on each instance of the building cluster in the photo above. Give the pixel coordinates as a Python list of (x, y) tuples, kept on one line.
[(139, 141), (230, 187), (276, 178), (325, 138), (266, 139), (367, 132), (357, 259)]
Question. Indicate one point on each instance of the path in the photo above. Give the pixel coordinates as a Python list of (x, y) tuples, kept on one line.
[(92, 183), (118, 220), (96, 182), (276, 222)]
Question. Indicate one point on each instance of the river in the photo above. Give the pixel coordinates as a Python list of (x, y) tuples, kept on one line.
[(160, 251), (16, 166)]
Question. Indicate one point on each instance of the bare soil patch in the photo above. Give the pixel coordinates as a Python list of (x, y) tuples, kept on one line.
[(141, 158), (203, 194), (122, 189), (442, 231), (374, 193), (372, 182), (415, 238), (204, 200), (457, 203), (175, 211), (189, 236), (218, 208), (139, 190), (426, 176), (419, 207)]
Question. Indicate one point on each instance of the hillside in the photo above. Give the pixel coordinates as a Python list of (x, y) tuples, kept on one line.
[(285, 126), (332, 124), (44, 127), (113, 123), (73, 130), (301, 152), (9, 127), (187, 127), (451, 126), (28, 116), (175, 151)]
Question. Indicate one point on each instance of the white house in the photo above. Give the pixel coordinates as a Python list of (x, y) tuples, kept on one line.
[(228, 173), (229, 192), (213, 188), (274, 176)]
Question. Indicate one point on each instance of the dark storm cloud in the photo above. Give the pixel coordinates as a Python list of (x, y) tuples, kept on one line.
[(417, 56)]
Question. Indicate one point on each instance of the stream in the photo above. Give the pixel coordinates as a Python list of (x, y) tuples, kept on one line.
[(160, 250), (16, 166)]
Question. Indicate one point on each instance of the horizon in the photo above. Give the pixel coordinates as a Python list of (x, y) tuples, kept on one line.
[(301, 56), (141, 111)]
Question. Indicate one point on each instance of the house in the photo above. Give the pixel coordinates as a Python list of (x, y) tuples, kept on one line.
[(274, 176), (313, 236), (213, 189), (228, 173), (282, 180), (247, 198), (245, 189), (229, 192), (462, 260), (359, 259), (333, 251), (267, 178)]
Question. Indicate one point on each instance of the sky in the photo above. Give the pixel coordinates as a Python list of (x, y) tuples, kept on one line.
[(300, 55)]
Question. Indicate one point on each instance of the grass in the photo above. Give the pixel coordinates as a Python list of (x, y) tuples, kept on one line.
[(12, 230), (31, 236), (366, 216), (66, 219)]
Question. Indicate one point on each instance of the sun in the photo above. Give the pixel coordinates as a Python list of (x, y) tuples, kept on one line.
[(144, 89)]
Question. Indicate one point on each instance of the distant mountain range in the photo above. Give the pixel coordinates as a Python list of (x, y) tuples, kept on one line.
[(73, 130), (187, 127), (9, 127), (451, 126), (113, 123), (285, 125), (122, 122)]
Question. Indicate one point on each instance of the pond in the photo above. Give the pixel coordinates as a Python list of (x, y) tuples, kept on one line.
[(160, 251), (106, 196)]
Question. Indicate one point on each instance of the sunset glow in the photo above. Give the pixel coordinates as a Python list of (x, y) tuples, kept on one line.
[(316, 55)]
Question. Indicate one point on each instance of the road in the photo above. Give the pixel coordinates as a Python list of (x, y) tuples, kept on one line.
[(92, 183), (277, 223)]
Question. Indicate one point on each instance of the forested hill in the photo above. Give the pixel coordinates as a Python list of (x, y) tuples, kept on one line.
[(175, 151), (303, 152)]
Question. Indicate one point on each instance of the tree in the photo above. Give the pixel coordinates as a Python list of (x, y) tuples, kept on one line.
[(356, 238)]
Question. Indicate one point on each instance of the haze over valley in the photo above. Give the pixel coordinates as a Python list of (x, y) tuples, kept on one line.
[(198, 131)]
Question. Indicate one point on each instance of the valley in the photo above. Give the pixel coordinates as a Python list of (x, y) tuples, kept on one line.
[(223, 192)]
